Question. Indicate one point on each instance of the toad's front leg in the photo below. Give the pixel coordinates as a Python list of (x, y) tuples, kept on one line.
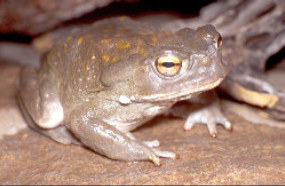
[(204, 109), (111, 142)]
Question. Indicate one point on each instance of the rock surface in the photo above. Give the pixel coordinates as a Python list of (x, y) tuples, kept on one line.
[(251, 154), (11, 120), (27, 16)]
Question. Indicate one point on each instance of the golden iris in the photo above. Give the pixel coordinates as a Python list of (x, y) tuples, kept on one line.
[(168, 65)]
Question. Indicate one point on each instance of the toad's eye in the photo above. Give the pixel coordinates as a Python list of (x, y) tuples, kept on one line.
[(168, 65)]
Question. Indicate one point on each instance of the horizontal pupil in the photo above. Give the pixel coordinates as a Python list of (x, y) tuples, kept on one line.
[(168, 64)]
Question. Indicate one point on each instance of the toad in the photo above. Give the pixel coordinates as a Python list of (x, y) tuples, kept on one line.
[(99, 83)]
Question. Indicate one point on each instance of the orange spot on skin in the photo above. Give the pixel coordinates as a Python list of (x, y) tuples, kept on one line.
[(146, 92), (58, 54), (119, 35), (167, 33), (87, 68), (122, 18), (140, 43), (75, 60), (143, 33), (79, 41), (142, 50), (106, 58), (154, 39), (106, 40), (123, 45), (114, 59), (68, 38), (92, 58)]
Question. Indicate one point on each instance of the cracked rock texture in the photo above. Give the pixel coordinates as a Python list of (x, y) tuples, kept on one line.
[(251, 154)]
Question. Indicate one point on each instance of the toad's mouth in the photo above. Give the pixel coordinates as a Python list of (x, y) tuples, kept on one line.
[(181, 95)]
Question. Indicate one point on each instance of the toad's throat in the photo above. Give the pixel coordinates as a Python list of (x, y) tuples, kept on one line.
[(179, 95)]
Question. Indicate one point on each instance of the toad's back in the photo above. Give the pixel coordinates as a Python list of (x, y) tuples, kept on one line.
[(79, 59)]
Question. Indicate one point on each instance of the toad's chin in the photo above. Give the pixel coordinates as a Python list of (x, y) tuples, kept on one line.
[(180, 95)]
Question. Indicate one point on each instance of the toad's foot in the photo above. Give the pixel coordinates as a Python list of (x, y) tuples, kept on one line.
[(164, 154), (158, 153), (211, 116), (205, 109)]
